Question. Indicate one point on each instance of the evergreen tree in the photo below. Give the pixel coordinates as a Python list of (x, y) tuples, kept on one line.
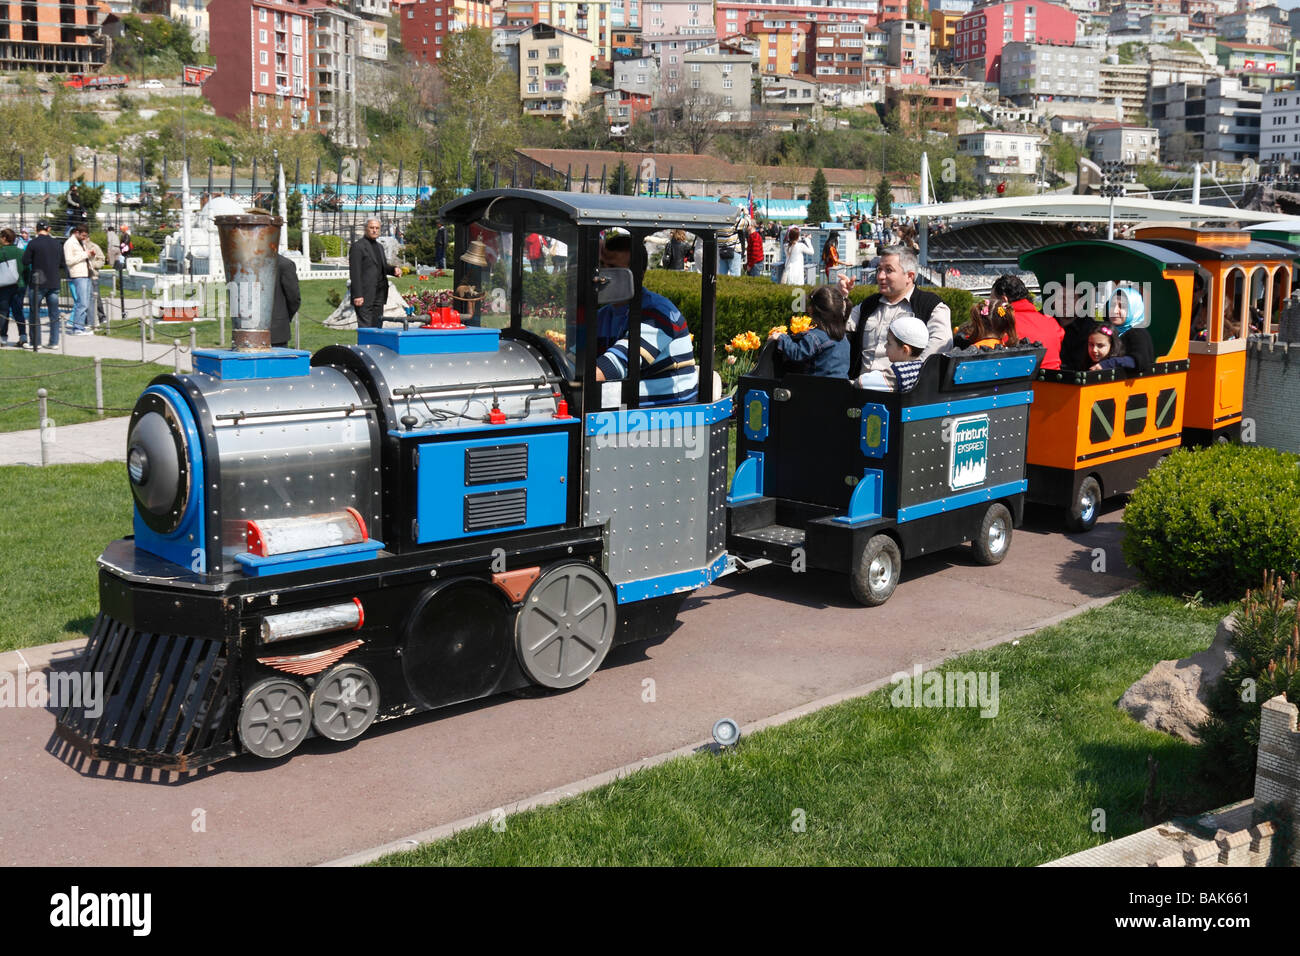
[(884, 197), (622, 182), (819, 206)]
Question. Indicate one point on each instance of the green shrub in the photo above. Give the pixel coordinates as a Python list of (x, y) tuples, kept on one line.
[(1214, 520), (758, 304), (1267, 645), (332, 245), (145, 248)]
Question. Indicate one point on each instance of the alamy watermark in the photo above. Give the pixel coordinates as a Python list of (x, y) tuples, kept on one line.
[(1086, 299), (82, 690), (946, 689), (682, 428)]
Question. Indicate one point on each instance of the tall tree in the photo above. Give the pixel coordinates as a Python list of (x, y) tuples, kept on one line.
[(622, 182), (478, 97), (884, 197), (693, 117), (819, 205)]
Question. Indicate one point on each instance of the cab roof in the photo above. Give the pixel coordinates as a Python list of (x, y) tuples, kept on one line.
[(599, 209)]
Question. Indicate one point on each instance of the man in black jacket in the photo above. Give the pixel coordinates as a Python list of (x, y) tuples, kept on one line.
[(287, 300), (369, 271), (43, 261)]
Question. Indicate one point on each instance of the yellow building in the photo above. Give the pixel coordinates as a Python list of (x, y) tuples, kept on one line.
[(943, 29), (554, 72), (779, 48)]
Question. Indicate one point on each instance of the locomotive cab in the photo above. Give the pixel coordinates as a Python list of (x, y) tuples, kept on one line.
[(432, 515)]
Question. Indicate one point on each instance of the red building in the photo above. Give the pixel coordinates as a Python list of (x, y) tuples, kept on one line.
[(983, 32), (263, 51), (731, 17), (426, 23)]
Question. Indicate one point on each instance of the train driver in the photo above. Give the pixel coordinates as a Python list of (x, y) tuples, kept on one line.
[(869, 321), (668, 371)]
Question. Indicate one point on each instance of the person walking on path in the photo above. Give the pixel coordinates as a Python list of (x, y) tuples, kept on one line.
[(369, 271), (43, 262), (77, 260), (96, 262), (11, 288), (286, 302)]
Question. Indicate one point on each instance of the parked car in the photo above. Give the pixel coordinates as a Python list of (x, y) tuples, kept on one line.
[(153, 85)]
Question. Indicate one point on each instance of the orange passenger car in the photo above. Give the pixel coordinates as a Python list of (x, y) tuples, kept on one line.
[(1241, 286), (1094, 434)]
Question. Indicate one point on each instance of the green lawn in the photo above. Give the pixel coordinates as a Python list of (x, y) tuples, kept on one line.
[(55, 522), (67, 379), (880, 785)]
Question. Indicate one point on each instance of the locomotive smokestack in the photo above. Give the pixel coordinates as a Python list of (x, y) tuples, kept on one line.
[(249, 243)]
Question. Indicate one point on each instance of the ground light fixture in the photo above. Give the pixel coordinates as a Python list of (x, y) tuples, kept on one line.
[(726, 732)]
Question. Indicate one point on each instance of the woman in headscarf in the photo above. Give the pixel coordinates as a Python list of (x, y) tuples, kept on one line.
[(1127, 314)]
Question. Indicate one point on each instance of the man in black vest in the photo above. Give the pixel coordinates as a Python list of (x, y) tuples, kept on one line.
[(369, 271), (868, 324)]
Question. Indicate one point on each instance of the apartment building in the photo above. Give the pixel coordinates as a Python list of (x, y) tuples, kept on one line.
[(554, 72), (1279, 130), (1217, 120), (194, 14), (999, 154), (592, 20), (51, 37), (1124, 143), (1034, 72), (984, 31), (909, 49), (1126, 82), (332, 98), (732, 17), (833, 52), (780, 48), (724, 73), (426, 24)]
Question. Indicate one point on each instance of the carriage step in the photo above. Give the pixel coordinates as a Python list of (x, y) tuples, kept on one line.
[(776, 542)]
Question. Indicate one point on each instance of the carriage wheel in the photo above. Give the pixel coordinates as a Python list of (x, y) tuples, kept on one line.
[(875, 572), (994, 538), (345, 702), (274, 719), (566, 626), (1083, 512)]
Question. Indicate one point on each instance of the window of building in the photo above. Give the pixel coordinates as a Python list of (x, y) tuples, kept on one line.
[(263, 79), (261, 36), (695, 67), (553, 52), (695, 84), (262, 57), (532, 54), (261, 16)]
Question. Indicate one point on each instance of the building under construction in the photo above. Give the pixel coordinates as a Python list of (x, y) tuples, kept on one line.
[(51, 37)]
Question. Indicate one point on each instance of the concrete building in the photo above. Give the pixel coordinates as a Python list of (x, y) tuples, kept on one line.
[(194, 14), (1216, 120), (923, 107), (797, 94), (1123, 143), (264, 58), (998, 154), (334, 43), (943, 28), (591, 19), (723, 73), (1252, 58), (984, 31), (669, 51), (731, 17), (833, 52), (1279, 127), (1034, 72), (780, 48), (1127, 82), (51, 37), (909, 49), (426, 24), (1245, 27), (554, 72)]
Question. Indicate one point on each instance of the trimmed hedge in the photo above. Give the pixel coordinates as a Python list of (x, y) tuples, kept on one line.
[(1214, 520), (757, 304)]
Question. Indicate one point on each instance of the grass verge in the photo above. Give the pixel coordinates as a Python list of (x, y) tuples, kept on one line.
[(54, 522), (70, 382), (879, 785)]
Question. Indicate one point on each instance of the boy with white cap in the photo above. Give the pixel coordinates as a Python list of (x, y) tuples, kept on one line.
[(906, 339)]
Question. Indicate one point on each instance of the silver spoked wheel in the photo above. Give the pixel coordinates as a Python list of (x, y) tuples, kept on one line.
[(880, 573), (274, 719), (876, 570), (566, 626), (345, 702), (1083, 514), (990, 544)]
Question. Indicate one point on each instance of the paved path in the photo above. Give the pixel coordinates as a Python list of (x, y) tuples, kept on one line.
[(751, 647)]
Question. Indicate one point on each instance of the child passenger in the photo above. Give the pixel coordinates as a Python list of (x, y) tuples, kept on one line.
[(824, 348), (1104, 350), (906, 339)]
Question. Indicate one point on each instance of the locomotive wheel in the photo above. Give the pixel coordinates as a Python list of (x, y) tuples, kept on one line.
[(275, 718), (1083, 512), (994, 538), (875, 572), (566, 626), (344, 702)]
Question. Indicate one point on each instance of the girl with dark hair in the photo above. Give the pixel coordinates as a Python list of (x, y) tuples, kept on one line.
[(1105, 350), (824, 348)]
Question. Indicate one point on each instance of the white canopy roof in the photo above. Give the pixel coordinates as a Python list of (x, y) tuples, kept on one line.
[(1057, 207)]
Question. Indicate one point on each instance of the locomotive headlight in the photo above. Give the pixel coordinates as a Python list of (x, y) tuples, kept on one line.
[(137, 465)]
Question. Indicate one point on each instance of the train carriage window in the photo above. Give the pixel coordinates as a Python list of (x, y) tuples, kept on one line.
[(1102, 426), (1166, 407), (1135, 414), (1233, 314), (1281, 293), (1201, 285), (549, 284), (483, 278), (1260, 291)]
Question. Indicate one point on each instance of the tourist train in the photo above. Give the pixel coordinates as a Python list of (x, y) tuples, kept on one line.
[(444, 513)]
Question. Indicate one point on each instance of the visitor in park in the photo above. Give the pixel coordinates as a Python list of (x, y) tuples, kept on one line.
[(1104, 350), (95, 260), (753, 250), (559, 256), (76, 211), (830, 255), (1031, 325), (731, 252), (794, 249), (440, 247), (77, 261), (822, 349), (368, 272), (668, 371), (898, 296), (1127, 316), (535, 251), (678, 253), (24, 237), (43, 263), (905, 340), (11, 288), (286, 302)]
